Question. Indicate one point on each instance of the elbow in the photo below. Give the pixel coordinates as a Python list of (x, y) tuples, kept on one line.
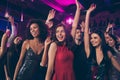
[(1, 53)]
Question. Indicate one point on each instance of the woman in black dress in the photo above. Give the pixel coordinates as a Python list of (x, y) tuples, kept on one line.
[(99, 57), (32, 50)]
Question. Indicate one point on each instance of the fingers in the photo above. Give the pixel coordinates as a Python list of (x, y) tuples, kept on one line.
[(78, 4), (52, 12), (91, 8), (7, 32), (11, 19)]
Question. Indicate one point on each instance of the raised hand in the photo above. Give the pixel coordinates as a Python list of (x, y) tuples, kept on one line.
[(11, 20), (7, 32), (78, 5), (111, 25), (51, 14), (91, 8), (47, 41), (82, 25)]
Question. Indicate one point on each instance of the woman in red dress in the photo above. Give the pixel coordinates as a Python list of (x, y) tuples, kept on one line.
[(60, 57)]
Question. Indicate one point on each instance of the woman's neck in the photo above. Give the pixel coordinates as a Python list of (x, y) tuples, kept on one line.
[(36, 40), (98, 48), (77, 42)]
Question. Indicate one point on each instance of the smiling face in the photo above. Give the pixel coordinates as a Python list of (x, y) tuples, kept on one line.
[(111, 42), (95, 40), (34, 30), (78, 34), (60, 34), (107, 37)]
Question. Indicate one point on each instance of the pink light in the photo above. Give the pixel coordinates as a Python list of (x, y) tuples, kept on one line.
[(32, 0), (59, 4), (6, 14), (69, 20), (65, 2), (22, 16)]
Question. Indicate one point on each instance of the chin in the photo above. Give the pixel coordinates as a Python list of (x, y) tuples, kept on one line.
[(94, 45), (61, 40)]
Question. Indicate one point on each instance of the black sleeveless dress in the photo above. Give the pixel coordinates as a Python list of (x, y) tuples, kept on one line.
[(30, 69), (97, 71)]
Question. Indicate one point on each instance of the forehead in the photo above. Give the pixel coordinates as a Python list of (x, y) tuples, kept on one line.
[(111, 39), (95, 35), (60, 28), (33, 24)]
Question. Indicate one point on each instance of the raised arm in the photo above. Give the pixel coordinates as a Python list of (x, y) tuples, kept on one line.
[(4, 42), (109, 26), (45, 54), (51, 15), (86, 31), (22, 54), (13, 32), (51, 60), (82, 25), (76, 18)]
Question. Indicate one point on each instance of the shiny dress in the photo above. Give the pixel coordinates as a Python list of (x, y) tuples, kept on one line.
[(30, 68), (63, 66), (97, 71)]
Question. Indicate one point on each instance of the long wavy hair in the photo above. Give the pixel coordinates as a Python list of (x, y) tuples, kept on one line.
[(68, 38)]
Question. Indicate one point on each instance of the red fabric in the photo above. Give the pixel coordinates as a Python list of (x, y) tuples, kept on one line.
[(63, 67)]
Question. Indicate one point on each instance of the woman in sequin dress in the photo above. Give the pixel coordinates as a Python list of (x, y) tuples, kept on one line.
[(31, 54), (98, 56)]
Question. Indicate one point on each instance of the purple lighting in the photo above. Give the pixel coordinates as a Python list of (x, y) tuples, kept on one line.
[(32, 0), (65, 2), (69, 20), (59, 5)]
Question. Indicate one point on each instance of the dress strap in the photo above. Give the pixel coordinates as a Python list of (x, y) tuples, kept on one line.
[(28, 45)]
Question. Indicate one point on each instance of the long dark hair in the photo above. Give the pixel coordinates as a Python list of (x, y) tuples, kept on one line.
[(42, 28), (114, 38), (68, 40), (104, 47)]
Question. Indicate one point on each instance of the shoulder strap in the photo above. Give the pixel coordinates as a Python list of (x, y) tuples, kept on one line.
[(28, 45)]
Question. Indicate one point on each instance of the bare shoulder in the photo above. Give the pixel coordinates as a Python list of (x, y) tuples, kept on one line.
[(53, 44), (52, 49), (25, 43), (110, 54)]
